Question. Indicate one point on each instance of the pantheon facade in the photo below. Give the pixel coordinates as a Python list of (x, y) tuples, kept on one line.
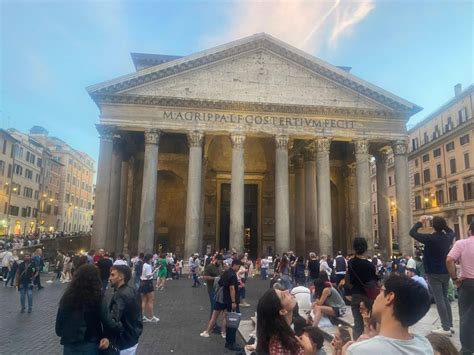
[(253, 145)]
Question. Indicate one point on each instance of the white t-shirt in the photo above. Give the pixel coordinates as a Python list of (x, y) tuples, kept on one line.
[(264, 263), (120, 262), (411, 264), (147, 272), (388, 346), (303, 298)]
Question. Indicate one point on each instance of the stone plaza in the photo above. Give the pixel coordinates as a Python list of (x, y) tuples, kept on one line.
[(253, 145)]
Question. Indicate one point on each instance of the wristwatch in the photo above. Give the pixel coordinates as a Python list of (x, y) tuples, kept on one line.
[(454, 279)]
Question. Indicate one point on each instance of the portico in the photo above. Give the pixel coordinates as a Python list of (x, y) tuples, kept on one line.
[(205, 143)]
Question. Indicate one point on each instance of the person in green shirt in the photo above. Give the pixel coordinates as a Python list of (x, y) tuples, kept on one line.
[(161, 267)]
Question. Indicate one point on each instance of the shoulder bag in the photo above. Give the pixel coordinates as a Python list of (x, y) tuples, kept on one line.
[(371, 288)]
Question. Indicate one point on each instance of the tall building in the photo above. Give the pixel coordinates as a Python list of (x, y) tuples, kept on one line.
[(441, 154), (442, 162), (22, 161), (75, 182)]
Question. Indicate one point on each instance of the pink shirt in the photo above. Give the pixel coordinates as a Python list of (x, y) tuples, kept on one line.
[(463, 251)]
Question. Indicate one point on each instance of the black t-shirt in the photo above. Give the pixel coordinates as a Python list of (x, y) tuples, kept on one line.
[(229, 278), (313, 267), (365, 271), (104, 266), (26, 273)]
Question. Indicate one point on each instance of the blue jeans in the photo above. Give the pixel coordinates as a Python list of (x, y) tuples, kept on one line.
[(263, 273), (85, 348), (196, 280), (26, 290), (439, 287), (11, 277)]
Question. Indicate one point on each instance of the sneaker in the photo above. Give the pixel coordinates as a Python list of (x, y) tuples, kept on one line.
[(155, 319), (49, 282), (146, 320), (223, 335), (245, 304), (441, 331), (29, 310), (204, 334), (22, 310)]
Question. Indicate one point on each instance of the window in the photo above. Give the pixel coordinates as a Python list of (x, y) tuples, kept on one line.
[(56, 210), (18, 169), (35, 212), (417, 203), (426, 175), (417, 179), (5, 208), (39, 162), (67, 198), (2, 167), (4, 150), (464, 139), (390, 180), (28, 192), (14, 210), (16, 189), (28, 174), (449, 125), (36, 195), (9, 170), (462, 114), (373, 187), (439, 197), (48, 209), (437, 152), (439, 173), (426, 138), (452, 165), (426, 158), (449, 146), (68, 177), (453, 193), (467, 164), (416, 162), (415, 144), (436, 132), (468, 189)]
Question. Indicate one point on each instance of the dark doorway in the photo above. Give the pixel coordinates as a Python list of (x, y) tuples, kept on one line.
[(250, 218)]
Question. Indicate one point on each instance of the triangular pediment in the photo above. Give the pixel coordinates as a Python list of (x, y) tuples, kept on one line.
[(257, 69), (256, 76)]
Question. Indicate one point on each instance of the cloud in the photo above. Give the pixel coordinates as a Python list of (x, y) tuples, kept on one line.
[(308, 25)]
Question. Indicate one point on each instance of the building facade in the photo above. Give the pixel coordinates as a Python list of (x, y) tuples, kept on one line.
[(251, 145), (71, 180), (442, 162), (24, 158)]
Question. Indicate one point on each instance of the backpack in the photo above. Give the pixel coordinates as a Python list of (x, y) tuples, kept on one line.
[(139, 268)]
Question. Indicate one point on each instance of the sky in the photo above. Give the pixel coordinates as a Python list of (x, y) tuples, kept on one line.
[(50, 51)]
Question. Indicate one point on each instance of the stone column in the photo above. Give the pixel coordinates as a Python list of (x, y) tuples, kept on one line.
[(383, 206), (146, 236), (300, 243), (127, 242), (400, 152), (114, 197), (119, 244), (236, 235), (311, 216), (351, 205), (363, 193), (104, 165), (192, 241), (324, 196), (461, 226), (282, 201)]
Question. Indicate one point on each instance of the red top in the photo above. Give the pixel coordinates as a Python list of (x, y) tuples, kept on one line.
[(275, 347)]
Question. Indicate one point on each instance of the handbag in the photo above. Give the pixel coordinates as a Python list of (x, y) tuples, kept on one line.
[(233, 319), (111, 350), (371, 288)]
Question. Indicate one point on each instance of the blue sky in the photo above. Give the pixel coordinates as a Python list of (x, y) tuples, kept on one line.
[(52, 50)]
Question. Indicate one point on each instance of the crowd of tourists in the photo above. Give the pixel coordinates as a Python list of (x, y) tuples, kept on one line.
[(304, 296), (30, 239)]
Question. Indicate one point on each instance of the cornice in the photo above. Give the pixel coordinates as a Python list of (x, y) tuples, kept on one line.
[(264, 42), (243, 106)]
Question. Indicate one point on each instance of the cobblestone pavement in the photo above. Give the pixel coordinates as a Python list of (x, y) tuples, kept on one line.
[(183, 311)]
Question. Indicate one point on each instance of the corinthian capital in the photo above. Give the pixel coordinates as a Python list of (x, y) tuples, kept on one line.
[(195, 138), (361, 146), (106, 133), (400, 147), (237, 140), (323, 145), (299, 161), (310, 152), (282, 141), (152, 136), (381, 156)]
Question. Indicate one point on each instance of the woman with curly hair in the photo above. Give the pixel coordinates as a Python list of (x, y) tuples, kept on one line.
[(274, 333), (83, 318)]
